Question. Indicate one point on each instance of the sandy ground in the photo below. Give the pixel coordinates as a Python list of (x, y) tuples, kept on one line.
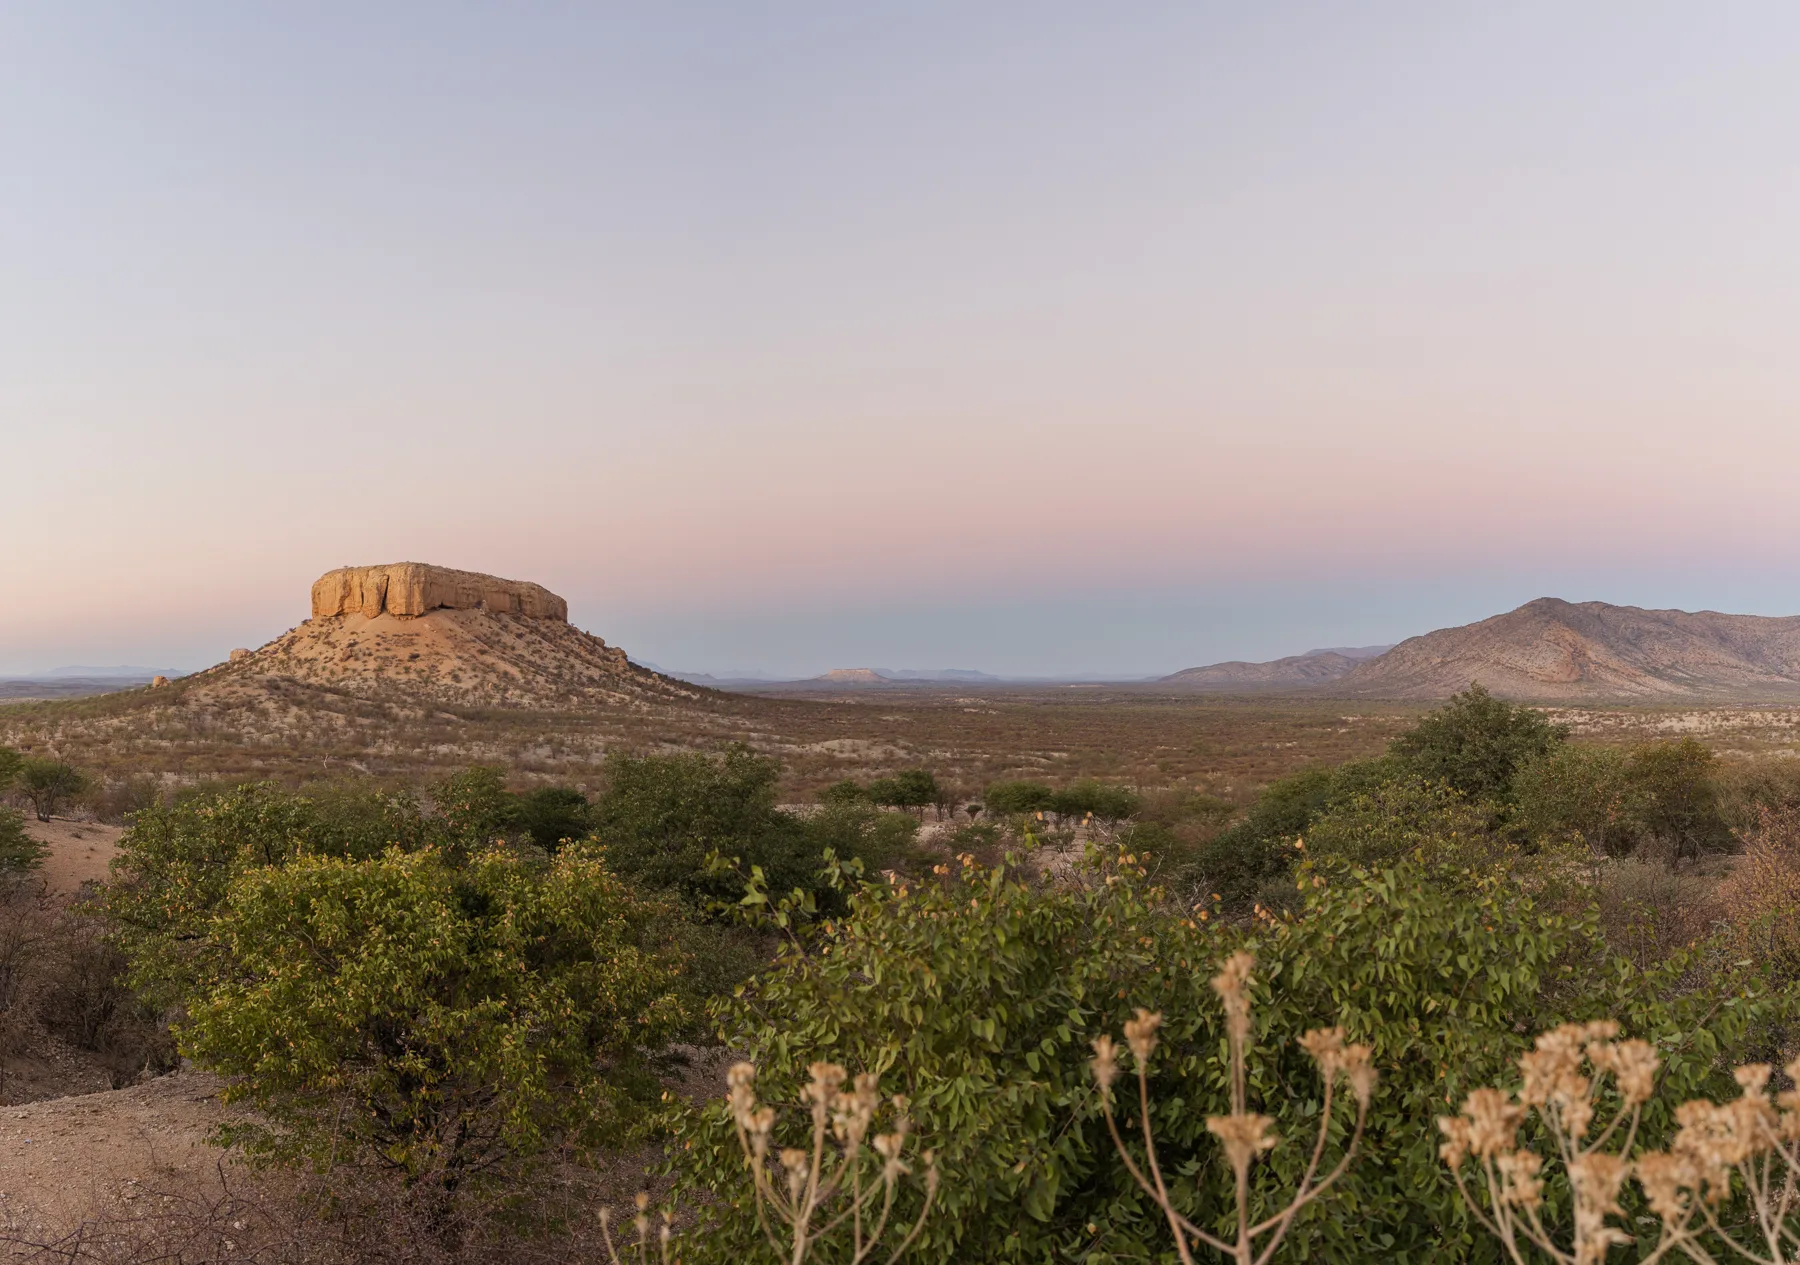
[(79, 851), (67, 1156)]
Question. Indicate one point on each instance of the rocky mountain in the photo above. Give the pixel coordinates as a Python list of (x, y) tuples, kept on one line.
[(1315, 667), (1553, 651), (418, 631)]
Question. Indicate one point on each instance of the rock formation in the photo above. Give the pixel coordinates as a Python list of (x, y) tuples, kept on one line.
[(410, 589), (411, 632)]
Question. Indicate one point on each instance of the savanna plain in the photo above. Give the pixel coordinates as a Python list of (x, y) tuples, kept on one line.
[(309, 968)]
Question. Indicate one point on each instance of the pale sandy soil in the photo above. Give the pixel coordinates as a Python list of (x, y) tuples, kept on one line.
[(79, 851), (64, 1157)]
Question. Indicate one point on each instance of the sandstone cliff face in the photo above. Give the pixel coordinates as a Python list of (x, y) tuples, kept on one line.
[(410, 589)]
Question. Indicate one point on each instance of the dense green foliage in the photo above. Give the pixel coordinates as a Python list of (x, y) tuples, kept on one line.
[(441, 1020), (663, 817), (978, 996), (909, 788), (1678, 802), (1476, 744), (19, 852), (1003, 798)]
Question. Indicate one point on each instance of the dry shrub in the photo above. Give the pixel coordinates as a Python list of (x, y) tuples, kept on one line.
[(1761, 898), (1649, 912), (26, 924)]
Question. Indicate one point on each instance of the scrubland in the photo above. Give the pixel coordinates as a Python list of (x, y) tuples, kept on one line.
[(1021, 974)]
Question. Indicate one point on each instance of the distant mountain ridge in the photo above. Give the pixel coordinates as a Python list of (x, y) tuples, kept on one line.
[(1315, 667), (1550, 650)]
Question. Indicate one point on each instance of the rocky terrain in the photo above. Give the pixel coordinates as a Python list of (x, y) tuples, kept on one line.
[(1555, 651), (425, 632)]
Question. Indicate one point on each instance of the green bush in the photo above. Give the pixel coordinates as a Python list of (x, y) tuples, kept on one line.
[(1677, 799), (1476, 744), (177, 862), (661, 817), (1105, 802), (438, 1020), (1407, 818), (1004, 798), (553, 815), (847, 791), (19, 852), (978, 997)]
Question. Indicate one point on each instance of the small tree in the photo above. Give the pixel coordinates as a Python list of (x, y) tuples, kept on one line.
[(845, 792), (1007, 798), (1581, 793), (1477, 743), (10, 761), (553, 815), (909, 788), (49, 784), (1678, 802)]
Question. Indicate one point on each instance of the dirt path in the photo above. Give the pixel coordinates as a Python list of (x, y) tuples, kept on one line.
[(64, 1157), (79, 851)]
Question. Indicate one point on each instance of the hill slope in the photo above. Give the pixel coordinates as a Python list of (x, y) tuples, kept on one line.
[(408, 630), (1553, 650), (1315, 667)]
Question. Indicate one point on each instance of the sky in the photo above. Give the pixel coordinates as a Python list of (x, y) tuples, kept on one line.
[(1036, 338)]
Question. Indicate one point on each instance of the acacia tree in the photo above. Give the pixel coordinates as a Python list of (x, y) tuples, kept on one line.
[(49, 784)]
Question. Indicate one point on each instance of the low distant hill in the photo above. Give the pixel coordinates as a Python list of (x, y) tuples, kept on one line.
[(1315, 667), (1551, 650)]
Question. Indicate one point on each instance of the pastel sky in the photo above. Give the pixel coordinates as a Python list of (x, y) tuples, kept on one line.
[(1034, 337)]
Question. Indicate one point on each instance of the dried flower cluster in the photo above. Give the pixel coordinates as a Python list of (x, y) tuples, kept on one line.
[(1749, 1146), (811, 1192), (1243, 1134)]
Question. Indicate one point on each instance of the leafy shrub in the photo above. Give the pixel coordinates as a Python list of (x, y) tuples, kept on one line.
[(177, 862), (19, 852), (439, 1020), (847, 791), (553, 815), (1678, 802), (1410, 817), (1104, 802), (982, 992), (1584, 795), (909, 788), (1476, 744), (661, 817), (1004, 798)]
